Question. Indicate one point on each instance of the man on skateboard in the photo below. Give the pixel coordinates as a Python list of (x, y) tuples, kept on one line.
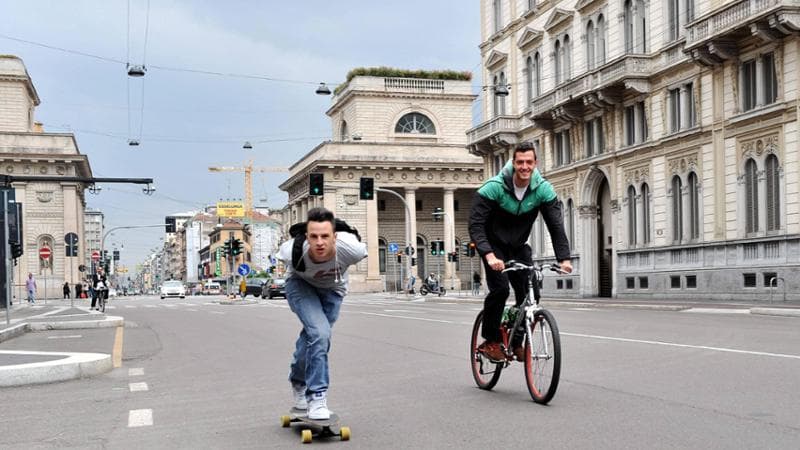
[(316, 282)]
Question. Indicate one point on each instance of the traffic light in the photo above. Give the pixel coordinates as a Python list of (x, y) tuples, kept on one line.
[(16, 250), (236, 247), (366, 188), (441, 247), (465, 249), (315, 184), (455, 256), (472, 249), (116, 255), (434, 248), (170, 224), (437, 214)]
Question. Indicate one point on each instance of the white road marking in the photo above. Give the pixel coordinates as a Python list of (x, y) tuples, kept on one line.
[(401, 310), (217, 312), (71, 336), (130, 306), (135, 371), (151, 306), (717, 311), (672, 344), (140, 418), (138, 387), (193, 310), (171, 306), (408, 317)]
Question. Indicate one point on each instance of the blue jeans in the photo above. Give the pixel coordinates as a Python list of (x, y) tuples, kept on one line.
[(31, 296), (317, 310)]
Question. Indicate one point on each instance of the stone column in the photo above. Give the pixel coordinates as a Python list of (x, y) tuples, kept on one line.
[(589, 283), (686, 219), (761, 176), (759, 82), (640, 222), (449, 236), (411, 199), (686, 107)]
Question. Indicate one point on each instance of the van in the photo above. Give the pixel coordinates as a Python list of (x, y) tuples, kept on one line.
[(212, 288)]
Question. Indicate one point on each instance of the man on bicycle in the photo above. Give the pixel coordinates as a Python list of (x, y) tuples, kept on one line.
[(100, 286), (500, 223), (316, 283)]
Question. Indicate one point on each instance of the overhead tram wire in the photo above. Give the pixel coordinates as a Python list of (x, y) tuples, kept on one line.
[(144, 65)]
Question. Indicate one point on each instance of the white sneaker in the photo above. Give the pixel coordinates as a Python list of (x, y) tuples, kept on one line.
[(318, 406), (299, 392)]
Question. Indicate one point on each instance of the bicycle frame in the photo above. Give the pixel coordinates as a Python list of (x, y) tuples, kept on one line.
[(529, 307)]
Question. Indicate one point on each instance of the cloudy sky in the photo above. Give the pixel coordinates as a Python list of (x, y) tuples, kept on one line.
[(191, 120)]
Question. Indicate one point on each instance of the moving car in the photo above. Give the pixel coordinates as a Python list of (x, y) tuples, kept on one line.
[(212, 288), (277, 286), (173, 288), (255, 286)]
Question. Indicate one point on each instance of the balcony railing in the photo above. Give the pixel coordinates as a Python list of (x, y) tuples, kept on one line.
[(729, 17), (627, 66), (413, 84), (495, 125)]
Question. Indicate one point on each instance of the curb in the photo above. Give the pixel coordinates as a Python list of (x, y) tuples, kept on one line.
[(72, 366), (108, 322), (775, 312), (12, 332)]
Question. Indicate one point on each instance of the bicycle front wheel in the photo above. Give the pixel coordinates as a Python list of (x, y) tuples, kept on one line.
[(542, 357), (485, 372), (103, 302)]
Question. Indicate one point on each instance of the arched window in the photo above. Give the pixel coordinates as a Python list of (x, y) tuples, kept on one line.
[(557, 60), (567, 58), (694, 206), (590, 43), (415, 123), (631, 216), (677, 209), (382, 255), (601, 40), (537, 83), (569, 222), (529, 75), (751, 196), (773, 194), (344, 133), (645, 214)]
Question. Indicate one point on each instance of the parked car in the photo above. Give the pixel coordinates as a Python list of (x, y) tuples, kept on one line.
[(277, 286), (212, 288), (173, 288), (255, 286)]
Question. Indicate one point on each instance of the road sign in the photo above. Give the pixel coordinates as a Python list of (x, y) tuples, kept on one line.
[(230, 209), (96, 255), (71, 244), (45, 252), (393, 247), (71, 238), (244, 270), (409, 250)]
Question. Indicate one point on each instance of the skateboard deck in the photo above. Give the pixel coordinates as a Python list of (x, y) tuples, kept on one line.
[(315, 427)]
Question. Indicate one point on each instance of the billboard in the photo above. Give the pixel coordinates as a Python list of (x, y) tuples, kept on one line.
[(230, 209)]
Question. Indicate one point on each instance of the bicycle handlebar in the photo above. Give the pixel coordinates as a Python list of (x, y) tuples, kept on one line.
[(513, 265)]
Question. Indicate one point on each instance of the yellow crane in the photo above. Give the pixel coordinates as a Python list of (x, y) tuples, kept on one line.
[(248, 170)]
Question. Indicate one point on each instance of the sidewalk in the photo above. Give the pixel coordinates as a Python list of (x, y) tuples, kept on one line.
[(22, 367), (786, 309)]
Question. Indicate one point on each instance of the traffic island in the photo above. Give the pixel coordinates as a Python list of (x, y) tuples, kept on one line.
[(20, 368)]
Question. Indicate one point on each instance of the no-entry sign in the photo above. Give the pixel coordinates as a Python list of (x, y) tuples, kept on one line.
[(45, 252), (95, 256)]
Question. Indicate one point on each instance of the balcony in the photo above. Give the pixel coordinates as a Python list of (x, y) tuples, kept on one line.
[(597, 89), (714, 37), (495, 132)]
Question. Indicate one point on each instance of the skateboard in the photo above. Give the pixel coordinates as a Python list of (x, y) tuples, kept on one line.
[(324, 428)]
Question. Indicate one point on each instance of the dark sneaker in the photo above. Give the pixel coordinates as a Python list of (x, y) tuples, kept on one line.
[(519, 353), (492, 350)]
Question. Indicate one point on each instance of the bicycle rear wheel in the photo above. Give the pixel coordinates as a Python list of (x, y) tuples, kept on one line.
[(542, 357), (485, 372)]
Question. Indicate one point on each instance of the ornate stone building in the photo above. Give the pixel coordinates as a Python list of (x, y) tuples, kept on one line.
[(51, 209), (408, 135), (668, 128)]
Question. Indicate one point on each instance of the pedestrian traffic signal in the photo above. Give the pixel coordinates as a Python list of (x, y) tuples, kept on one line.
[(170, 224), (454, 257), (16, 250), (366, 188), (316, 184), (472, 249)]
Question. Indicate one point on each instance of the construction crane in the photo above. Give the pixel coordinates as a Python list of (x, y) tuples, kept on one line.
[(248, 170)]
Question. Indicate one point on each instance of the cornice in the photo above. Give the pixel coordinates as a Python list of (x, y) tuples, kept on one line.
[(557, 17)]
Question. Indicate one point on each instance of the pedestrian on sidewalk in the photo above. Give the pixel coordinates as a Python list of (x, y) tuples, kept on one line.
[(66, 289), (30, 286), (243, 288), (78, 289), (317, 258), (476, 283)]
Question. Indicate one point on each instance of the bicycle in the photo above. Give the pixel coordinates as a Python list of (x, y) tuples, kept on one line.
[(102, 296), (542, 344)]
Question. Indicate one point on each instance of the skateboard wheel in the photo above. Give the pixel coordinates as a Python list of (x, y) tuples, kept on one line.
[(285, 421), (306, 436), (345, 433)]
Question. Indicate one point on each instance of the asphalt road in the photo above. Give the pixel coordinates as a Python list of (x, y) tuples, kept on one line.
[(201, 375)]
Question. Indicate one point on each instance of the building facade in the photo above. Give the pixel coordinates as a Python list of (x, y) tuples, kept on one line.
[(51, 208), (669, 130), (94, 227), (407, 134)]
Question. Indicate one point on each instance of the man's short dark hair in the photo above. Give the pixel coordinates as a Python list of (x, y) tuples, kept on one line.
[(321, 215), (525, 146)]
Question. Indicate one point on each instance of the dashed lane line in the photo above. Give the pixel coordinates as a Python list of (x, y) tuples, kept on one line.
[(135, 371), (140, 418), (116, 354), (138, 387), (71, 336)]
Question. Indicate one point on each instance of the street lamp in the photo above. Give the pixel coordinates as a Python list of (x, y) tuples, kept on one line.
[(323, 89)]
